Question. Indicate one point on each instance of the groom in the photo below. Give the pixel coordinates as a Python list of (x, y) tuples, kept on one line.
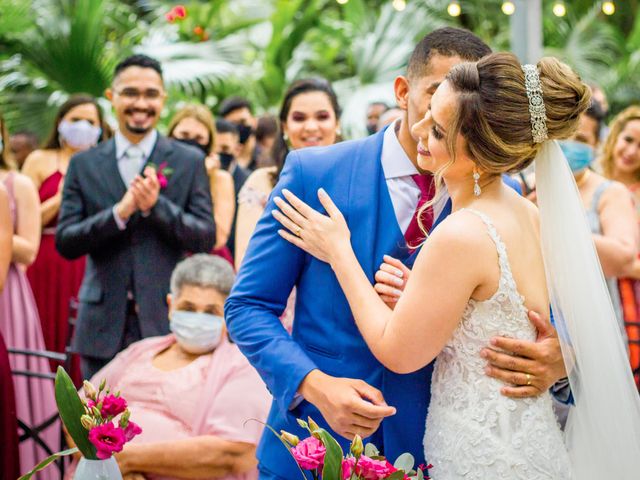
[(324, 369)]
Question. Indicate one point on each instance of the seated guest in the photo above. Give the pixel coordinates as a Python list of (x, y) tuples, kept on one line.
[(192, 392)]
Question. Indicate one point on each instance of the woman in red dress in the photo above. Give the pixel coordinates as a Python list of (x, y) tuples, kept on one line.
[(54, 280)]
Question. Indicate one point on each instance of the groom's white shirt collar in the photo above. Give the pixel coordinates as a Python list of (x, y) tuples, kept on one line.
[(395, 161), (146, 144)]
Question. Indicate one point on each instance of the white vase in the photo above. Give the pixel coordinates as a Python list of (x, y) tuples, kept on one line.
[(97, 470)]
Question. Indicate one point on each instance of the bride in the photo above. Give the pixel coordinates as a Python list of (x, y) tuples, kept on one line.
[(482, 268)]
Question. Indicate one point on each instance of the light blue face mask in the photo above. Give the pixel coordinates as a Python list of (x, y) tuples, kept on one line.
[(1, 145), (579, 155), (196, 332)]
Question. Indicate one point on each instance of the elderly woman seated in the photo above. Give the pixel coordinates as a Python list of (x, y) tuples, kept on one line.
[(192, 392)]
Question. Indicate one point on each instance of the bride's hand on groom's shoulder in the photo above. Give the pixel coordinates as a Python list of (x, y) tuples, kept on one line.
[(326, 237), (531, 368), (391, 278)]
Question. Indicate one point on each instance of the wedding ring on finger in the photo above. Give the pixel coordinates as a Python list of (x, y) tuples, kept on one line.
[(297, 231), (528, 375)]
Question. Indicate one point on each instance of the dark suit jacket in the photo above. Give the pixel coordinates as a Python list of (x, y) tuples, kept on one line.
[(140, 258)]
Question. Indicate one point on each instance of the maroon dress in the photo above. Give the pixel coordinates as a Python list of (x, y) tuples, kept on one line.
[(9, 456), (54, 280)]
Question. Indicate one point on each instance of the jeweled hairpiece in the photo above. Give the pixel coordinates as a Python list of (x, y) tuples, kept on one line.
[(536, 103)]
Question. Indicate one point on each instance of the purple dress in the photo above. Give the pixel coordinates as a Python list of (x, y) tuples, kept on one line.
[(20, 327)]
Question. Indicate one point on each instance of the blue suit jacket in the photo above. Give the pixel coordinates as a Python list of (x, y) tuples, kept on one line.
[(325, 335)]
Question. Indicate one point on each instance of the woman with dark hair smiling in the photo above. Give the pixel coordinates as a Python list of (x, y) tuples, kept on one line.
[(79, 125), (309, 117)]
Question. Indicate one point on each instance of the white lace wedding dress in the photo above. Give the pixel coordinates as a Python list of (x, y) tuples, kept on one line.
[(473, 431)]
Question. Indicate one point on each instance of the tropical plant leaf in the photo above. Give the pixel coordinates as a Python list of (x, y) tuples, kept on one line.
[(405, 462), (48, 461), (71, 410), (399, 475)]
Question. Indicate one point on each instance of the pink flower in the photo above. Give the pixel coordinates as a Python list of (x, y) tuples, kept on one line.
[(162, 180), (347, 467), (370, 469), (170, 17), (112, 406), (180, 11), (131, 430), (107, 439), (309, 453)]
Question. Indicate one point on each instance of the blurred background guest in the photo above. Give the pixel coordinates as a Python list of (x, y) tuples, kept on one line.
[(266, 133), (194, 125), (191, 391), (6, 234), (621, 161), (388, 117), (309, 116), (55, 281), (226, 146), (238, 110), (19, 322), (374, 112), (22, 143)]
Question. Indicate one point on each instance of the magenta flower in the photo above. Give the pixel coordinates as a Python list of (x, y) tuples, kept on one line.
[(180, 11), (112, 406), (309, 453), (163, 181), (347, 467), (108, 439), (131, 430)]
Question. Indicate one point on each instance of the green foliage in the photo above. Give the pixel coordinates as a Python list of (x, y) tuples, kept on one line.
[(332, 469), (46, 462), (71, 409)]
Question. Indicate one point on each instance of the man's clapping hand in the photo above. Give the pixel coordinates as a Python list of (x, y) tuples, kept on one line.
[(145, 190)]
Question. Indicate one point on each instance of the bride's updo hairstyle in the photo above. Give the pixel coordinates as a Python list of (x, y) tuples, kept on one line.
[(493, 109)]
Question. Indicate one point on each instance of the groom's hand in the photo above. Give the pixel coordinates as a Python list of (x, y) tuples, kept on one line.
[(531, 367), (348, 405)]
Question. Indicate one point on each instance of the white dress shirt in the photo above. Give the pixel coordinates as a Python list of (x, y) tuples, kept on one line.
[(127, 170), (398, 169)]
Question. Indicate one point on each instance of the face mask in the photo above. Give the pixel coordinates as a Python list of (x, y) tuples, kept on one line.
[(193, 143), (1, 146), (196, 332), (245, 133), (79, 135), (225, 160), (579, 155), (371, 129)]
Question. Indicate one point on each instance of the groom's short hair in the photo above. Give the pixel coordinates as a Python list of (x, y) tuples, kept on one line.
[(448, 42)]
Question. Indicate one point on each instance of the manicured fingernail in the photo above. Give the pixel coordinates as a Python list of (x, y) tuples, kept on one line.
[(397, 292), (285, 191), (321, 192), (483, 354), (494, 341), (399, 273), (397, 281), (487, 370)]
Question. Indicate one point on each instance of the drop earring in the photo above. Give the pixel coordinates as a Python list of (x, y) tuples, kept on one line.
[(285, 137), (476, 186)]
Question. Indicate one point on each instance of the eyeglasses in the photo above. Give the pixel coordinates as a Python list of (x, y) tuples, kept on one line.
[(134, 94)]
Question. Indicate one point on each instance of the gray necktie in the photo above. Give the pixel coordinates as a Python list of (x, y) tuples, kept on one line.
[(130, 164)]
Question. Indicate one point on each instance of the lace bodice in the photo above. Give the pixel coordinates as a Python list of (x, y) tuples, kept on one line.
[(473, 431)]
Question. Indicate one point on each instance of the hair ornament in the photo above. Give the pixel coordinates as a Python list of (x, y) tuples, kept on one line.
[(537, 111)]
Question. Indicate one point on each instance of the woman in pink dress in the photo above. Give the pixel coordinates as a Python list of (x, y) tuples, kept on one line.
[(54, 280), (19, 322)]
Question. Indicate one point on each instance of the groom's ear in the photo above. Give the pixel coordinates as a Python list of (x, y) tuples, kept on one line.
[(401, 90)]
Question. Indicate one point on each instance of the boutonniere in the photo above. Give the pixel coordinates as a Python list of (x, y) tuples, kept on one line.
[(163, 171)]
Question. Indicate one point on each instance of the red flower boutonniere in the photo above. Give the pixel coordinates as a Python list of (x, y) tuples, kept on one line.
[(163, 171)]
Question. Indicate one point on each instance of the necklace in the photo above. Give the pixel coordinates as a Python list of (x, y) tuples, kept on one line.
[(583, 178)]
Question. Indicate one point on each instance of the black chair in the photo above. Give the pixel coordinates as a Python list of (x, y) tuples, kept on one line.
[(33, 432)]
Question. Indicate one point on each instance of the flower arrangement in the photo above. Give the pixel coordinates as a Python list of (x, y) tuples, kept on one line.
[(99, 424), (321, 454)]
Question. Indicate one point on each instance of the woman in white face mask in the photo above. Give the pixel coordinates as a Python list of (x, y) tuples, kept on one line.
[(79, 125), (192, 391)]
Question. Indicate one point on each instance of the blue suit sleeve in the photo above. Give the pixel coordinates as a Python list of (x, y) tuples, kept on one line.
[(269, 272)]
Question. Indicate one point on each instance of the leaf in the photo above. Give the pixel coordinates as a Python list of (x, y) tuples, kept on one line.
[(332, 469), (48, 461), (404, 462), (71, 410), (399, 475), (370, 450)]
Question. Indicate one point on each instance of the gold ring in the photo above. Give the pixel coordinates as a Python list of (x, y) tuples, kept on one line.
[(297, 232), (528, 379)]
